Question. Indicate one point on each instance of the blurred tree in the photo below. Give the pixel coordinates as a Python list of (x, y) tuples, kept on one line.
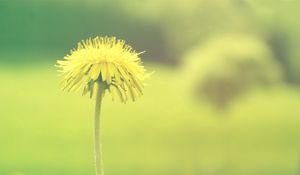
[(185, 23), (277, 23), (166, 28), (225, 67)]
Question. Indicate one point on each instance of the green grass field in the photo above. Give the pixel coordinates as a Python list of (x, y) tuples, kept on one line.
[(44, 131)]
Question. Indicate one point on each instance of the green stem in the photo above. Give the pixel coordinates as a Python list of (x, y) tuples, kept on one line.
[(98, 146)]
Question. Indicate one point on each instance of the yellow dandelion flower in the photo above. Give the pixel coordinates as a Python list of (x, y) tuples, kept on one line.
[(106, 62), (103, 63)]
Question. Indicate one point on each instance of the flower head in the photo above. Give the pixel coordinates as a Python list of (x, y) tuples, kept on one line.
[(103, 62)]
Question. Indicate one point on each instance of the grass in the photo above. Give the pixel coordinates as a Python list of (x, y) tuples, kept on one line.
[(49, 132)]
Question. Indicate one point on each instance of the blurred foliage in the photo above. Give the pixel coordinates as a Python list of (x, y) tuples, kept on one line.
[(225, 67), (166, 29), (277, 23), (187, 22)]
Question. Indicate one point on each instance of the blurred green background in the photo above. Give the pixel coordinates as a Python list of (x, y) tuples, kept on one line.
[(224, 99)]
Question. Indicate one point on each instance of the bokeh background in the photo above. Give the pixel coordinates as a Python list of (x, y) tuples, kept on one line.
[(224, 99)]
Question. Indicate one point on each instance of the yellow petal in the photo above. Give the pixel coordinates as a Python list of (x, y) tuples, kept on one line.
[(108, 73), (103, 71), (95, 71)]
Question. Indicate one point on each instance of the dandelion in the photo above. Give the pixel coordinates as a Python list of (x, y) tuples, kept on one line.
[(99, 65)]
